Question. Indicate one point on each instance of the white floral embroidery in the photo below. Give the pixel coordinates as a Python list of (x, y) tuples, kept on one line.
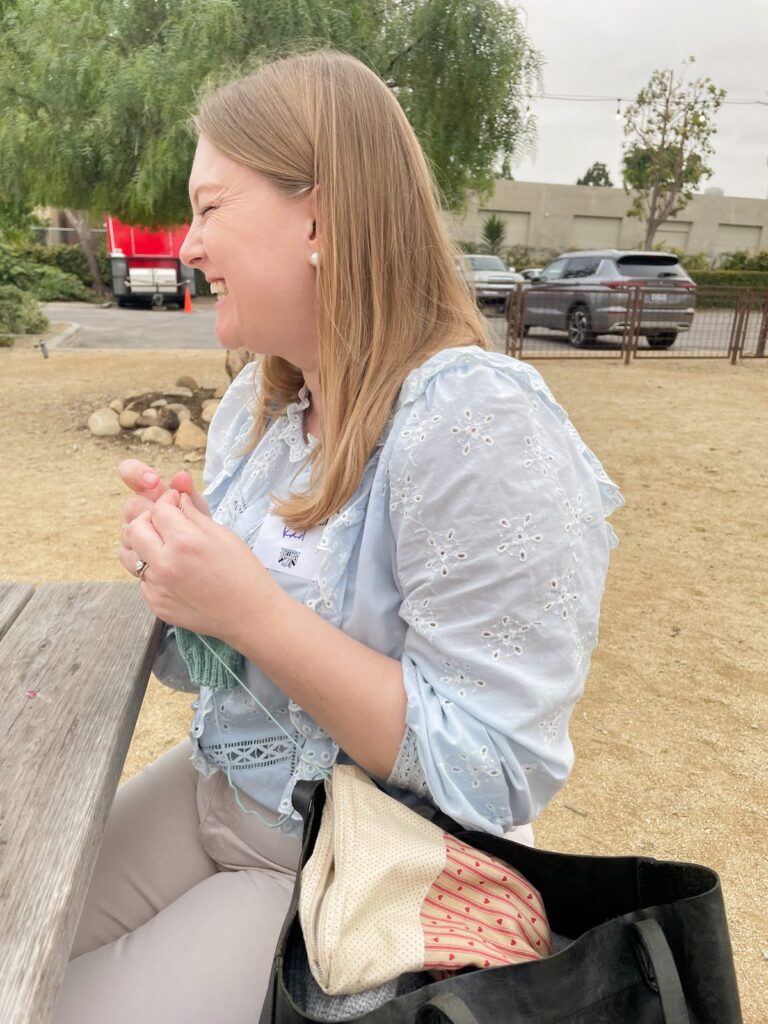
[(472, 433), (405, 496), (517, 539), (577, 514), (446, 550), (550, 728), (538, 456), (505, 637), (418, 429), (419, 615), (460, 680), (477, 765), (561, 598)]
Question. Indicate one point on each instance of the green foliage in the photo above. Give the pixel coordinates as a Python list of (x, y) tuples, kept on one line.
[(70, 259), (494, 231), (96, 93), (46, 283), (518, 256), (597, 175), (690, 261), (668, 132), (744, 260), (19, 312), (719, 289)]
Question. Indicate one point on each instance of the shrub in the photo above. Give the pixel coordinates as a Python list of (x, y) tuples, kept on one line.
[(518, 256), (19, 312), (46, 283), (744, 260), (729, 280)]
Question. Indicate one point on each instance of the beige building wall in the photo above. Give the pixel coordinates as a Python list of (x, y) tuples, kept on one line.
[(550, 219)]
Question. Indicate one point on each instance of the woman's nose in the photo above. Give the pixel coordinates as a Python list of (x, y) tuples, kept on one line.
[(191, 251)]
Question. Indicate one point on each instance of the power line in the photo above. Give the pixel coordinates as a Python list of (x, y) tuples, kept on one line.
[(629, 99)]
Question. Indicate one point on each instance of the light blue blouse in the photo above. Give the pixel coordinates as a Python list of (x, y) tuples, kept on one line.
[(474, 551)]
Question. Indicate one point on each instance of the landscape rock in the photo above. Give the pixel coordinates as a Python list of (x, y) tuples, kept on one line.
[(181, 411), (148, 418), (189, 435), (208, 410), (168, 419), (194, 457), (156, 435), (159, 403), (104, 423), (135, 393), (178, 392), (117, 404), (219, 392), (187, 382), (128, 418)]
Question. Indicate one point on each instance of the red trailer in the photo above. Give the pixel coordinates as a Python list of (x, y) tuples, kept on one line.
[(145, 264)]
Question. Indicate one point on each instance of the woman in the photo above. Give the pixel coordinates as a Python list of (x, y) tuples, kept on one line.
[(400, 552)]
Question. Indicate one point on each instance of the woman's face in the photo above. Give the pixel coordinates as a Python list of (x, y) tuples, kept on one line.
[(256, 243)]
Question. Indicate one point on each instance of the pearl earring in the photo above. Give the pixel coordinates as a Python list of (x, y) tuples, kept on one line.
[(313, 259)]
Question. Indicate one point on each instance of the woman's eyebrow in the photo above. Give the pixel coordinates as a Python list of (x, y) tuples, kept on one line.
[(205, 187)]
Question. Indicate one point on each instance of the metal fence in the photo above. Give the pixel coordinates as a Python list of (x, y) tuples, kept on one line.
[(635, 322)]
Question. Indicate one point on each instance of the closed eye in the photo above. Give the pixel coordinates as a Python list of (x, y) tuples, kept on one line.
[(206, 209)]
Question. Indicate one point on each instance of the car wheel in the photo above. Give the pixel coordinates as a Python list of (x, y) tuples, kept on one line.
[(122, 301), (580, 333), (664, 339)]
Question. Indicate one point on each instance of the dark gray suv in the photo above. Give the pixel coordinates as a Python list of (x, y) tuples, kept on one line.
[(587, 294)]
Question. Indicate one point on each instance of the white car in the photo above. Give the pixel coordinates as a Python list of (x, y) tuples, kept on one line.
[(491, 279)]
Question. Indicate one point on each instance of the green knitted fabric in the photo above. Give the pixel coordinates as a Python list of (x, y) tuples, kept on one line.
[(204, 668)]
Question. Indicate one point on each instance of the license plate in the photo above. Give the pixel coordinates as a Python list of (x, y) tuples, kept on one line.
[(659, 297)]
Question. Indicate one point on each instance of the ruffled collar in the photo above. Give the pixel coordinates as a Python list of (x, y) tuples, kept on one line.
[(293, 431)]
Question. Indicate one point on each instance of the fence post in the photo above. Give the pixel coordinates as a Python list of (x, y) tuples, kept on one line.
[(739, 329), (763, 332), (515, 306), (630, 337)]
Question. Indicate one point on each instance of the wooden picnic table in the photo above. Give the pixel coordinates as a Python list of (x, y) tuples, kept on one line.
[(74, 664)]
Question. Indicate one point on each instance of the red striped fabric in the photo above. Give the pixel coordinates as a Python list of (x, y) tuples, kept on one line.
[(479, 912)]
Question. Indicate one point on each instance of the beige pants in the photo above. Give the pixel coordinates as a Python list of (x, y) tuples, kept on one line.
[(185, 907)]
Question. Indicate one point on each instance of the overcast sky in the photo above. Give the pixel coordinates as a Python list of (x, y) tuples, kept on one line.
[(610, 47)]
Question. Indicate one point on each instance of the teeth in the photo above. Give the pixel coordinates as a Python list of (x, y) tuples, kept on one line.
[(218, 288)]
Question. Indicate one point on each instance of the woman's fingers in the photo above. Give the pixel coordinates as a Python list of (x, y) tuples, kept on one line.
[(183, 483), (142, 479)]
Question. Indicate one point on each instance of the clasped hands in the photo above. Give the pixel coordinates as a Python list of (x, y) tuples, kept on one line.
[(199, 575)]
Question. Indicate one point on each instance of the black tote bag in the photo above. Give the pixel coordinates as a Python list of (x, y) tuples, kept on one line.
[(647, 944)]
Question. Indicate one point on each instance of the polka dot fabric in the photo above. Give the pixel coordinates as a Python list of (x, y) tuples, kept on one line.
[(386, 892)]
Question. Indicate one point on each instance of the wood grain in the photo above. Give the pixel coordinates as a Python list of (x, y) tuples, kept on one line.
[(86, 649), (13, 597)]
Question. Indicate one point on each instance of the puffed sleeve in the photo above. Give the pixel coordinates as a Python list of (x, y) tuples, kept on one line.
[(498, 514)]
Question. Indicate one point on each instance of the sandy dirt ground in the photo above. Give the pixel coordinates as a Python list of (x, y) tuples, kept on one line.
[(671, 736)]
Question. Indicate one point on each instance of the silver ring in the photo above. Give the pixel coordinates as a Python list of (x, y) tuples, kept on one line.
[(140, 568)]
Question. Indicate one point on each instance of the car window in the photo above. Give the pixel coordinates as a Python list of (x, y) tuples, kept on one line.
[(581, 266), (554, 271), (649, 266), (486, 263)]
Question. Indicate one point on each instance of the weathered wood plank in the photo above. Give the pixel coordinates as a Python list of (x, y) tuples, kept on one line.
[(86, 649), (13, 597)]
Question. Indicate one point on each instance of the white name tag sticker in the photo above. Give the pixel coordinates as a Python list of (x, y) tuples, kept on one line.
[(282, 549)]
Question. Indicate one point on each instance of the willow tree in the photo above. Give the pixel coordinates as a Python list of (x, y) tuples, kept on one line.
[(95, 93)]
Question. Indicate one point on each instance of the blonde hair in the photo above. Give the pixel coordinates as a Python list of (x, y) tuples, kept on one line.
[(388, 293)]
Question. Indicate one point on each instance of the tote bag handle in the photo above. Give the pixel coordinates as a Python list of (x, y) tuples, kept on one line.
[(450, 1006), (653, 949)]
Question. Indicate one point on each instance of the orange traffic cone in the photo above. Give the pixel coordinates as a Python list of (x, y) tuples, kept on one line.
[(187, 300)]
